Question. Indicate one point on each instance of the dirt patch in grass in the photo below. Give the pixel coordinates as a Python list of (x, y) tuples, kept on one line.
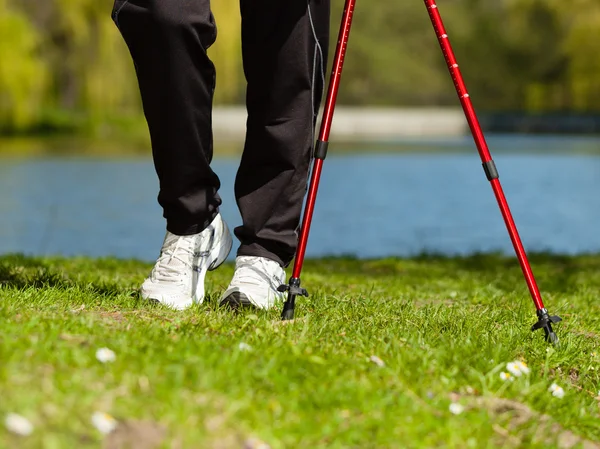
[(112, 316), (136, 435), (518, 422)]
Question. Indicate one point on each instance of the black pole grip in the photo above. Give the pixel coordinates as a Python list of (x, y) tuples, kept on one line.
[(490, 170), (321, 149)]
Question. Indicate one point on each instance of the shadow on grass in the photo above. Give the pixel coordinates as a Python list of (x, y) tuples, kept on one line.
[(22, 272), (556, 272)]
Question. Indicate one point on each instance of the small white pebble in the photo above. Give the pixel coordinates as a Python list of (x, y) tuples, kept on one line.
[(104, 422), (105, 355), (244, 347), (377, 361), (456, 409), (18, 424)]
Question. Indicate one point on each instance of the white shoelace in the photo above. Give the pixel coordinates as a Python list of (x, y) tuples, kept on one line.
[(255, 271), (173, 261)]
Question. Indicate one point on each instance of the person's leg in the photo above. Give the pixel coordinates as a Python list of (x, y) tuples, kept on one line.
[(168, 40), (284, 45)]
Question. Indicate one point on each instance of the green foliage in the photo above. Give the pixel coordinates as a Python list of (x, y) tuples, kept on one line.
[(226, 53), (23, 74), (393, 57), (564, 65), (532, 55)]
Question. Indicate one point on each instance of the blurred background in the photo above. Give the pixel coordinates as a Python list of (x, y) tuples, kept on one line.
[(403, 176)]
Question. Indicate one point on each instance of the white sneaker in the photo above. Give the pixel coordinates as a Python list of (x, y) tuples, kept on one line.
[(177, 279), (254, 283)]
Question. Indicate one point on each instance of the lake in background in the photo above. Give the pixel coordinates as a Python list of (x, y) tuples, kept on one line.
[(429, 196)]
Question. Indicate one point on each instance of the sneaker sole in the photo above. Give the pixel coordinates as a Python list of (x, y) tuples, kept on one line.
[(236, 301), (221, 253), (163, 300)]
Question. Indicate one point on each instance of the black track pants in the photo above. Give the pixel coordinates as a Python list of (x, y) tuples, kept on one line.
[(284, 45)]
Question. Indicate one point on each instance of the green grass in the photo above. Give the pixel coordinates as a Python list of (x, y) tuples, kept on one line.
[(445, 328)]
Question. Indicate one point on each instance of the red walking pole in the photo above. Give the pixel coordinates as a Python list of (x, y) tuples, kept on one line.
[(544, 319), (293, 288)]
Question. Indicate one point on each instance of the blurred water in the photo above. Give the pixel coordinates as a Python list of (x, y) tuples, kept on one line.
[(368, 206)]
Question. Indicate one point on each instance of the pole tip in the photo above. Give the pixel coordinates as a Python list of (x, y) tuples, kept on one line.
[(287, 315), (552, 338)]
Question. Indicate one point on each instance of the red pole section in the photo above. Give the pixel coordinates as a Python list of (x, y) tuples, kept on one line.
[(307, 219), (482, 148), (336, 72), (332, 91)]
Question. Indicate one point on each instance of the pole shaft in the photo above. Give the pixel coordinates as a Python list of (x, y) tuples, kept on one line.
[(482, 148), (332, 91), (307, 219)]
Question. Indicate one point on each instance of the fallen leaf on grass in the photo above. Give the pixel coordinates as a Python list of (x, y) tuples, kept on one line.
[(79, 339), (377, 361)]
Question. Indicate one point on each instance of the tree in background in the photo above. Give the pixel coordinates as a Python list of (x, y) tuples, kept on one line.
[(90, 69), (553, 46), (581, 21), (77, 61), (226, 53), (63, 63), (393, 57), (23, 73)]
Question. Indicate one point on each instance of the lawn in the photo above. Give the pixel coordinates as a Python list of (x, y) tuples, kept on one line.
[(394, 353)]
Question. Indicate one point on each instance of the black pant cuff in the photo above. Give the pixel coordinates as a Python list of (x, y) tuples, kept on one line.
[(179, 228), (255, 250)]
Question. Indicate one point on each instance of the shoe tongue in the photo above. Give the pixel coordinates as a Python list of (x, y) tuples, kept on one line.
[(170, 269), (177, 250), (254, 270), (176, 244)]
